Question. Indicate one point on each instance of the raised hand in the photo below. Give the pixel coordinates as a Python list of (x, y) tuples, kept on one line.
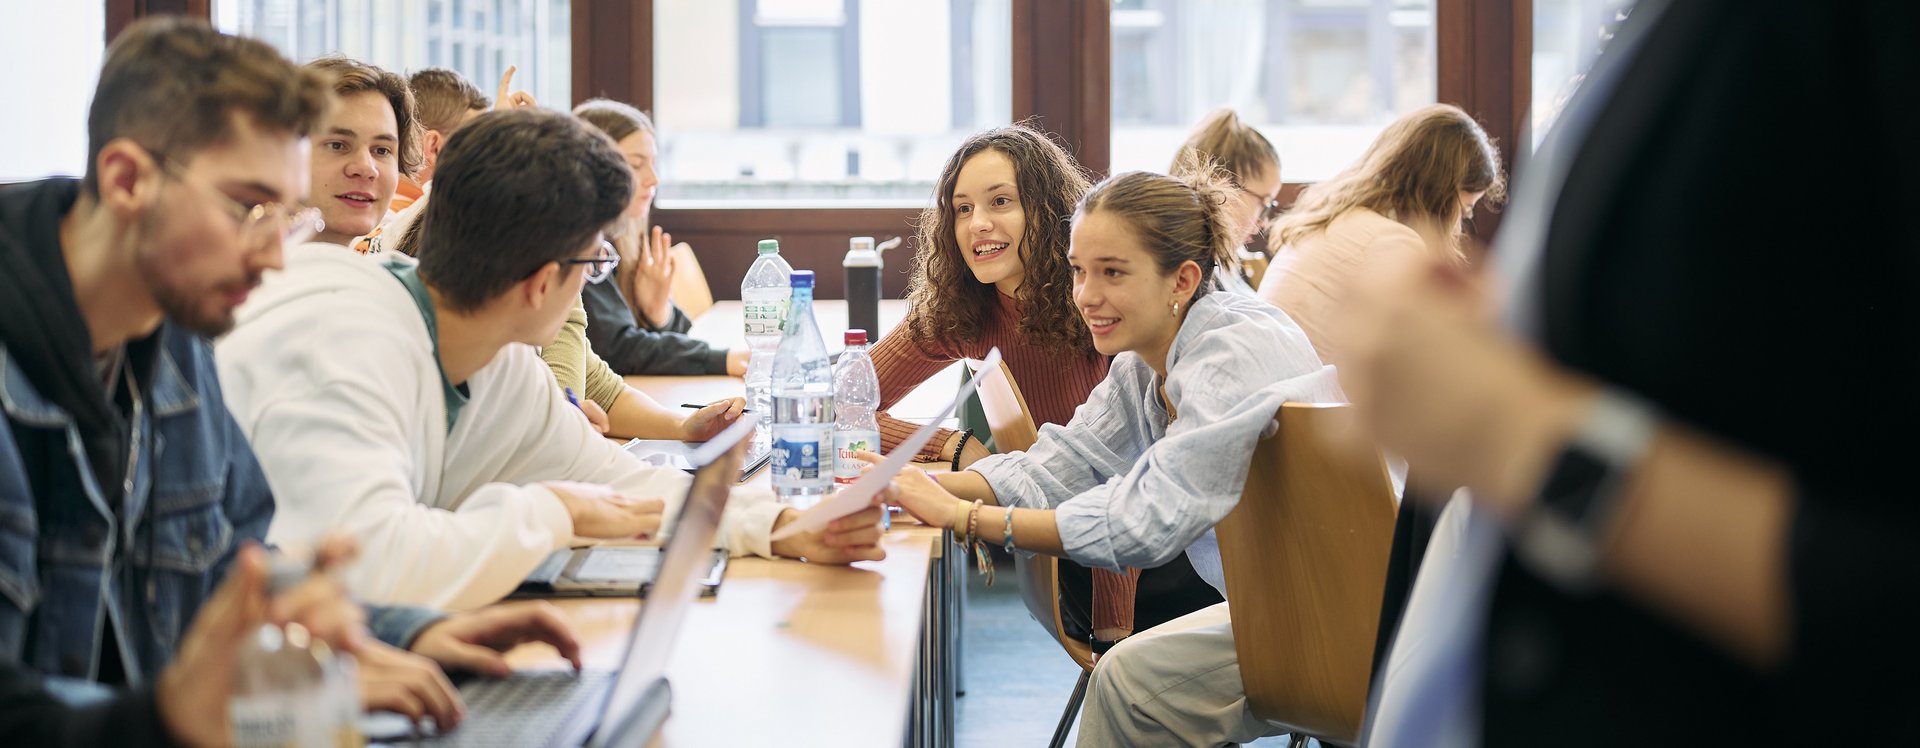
[(651, 284), (514, 100)]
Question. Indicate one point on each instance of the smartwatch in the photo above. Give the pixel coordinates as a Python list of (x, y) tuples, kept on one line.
[(1560, 535)]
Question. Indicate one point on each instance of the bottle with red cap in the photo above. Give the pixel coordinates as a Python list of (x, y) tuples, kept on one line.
[(856, 400)]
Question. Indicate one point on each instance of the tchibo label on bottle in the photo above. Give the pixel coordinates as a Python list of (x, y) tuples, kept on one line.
[(846, 467), (764, 317), (797, 458)]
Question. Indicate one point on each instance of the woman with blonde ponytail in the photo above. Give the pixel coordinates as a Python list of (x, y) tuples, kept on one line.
[(1158, 454), (1253, 169), (1408, 193)]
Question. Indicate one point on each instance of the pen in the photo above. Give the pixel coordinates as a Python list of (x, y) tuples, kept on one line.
[(570, 397), (699, 407)]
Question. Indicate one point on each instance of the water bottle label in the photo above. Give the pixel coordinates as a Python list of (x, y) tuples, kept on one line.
[(797, 458), (846, 467), (764, 317), (277, 719)]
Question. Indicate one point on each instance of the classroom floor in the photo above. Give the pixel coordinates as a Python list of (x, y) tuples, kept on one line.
[(1017, 680)]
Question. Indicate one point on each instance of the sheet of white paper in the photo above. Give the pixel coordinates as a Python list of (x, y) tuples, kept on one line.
[(856, 497), (689, 455)]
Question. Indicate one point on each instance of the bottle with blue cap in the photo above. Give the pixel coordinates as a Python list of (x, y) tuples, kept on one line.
[(802, 404)]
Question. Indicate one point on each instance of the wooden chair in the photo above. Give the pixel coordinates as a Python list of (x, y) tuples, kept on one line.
[(1254, 266), (1013, 431), (1305, 555), (689, 286)]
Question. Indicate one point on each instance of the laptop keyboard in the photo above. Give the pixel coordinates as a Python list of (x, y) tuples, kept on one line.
[(527, 709)]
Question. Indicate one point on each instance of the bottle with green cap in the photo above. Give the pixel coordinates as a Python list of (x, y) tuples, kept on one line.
[(764, 294)]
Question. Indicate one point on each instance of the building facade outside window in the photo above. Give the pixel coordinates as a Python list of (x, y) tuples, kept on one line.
[(1319, 78), (478, 38), (822, 103)]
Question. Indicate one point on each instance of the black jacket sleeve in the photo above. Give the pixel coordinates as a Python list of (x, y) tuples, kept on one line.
[(632, 349), (29, 715)]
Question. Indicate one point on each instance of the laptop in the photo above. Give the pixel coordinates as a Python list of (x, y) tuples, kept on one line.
[(600, 708)]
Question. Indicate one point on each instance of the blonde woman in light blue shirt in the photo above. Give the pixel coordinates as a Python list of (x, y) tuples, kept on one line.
[(1157, 455)]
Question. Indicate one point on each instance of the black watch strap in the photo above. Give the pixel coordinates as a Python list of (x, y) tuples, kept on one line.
[(1561, 533)]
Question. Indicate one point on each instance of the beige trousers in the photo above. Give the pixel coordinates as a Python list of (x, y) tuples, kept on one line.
[(1174, 684)]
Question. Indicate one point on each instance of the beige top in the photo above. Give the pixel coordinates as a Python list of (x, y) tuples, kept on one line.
[(576, 367), (1307, 279)]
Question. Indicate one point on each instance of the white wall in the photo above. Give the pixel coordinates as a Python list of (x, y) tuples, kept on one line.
[(50, 53)]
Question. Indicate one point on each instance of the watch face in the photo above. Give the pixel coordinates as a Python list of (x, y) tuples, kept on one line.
[(1573, 484)]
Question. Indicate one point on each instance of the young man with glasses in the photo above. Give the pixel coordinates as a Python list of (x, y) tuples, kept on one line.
[(399, 399), (127, 494)]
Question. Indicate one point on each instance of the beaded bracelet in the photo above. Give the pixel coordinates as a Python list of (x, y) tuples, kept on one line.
[(959, 447)]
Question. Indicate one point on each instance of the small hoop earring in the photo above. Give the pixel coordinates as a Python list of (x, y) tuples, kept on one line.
[(1176, 307)]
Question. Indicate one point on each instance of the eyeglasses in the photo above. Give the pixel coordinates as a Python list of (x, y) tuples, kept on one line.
[(1270, 211), (600, 265), (290, 224)]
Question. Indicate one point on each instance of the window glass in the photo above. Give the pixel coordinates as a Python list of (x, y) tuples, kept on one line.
[(62, 45), (1567, 36), (1319, 78), (407, 35), (796, 103)]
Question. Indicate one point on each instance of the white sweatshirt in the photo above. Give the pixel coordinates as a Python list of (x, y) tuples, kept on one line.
[(332, 375)]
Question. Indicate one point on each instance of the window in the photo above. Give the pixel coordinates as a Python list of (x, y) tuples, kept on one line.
[(1567, 36), (54, 51), (817, 103), (1319, 78), (407, 35)]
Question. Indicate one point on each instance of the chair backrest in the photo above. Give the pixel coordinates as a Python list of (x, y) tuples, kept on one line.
[(1305, 554), (1006, 409), (689, 285), (1013, 431), (1040, 590), (1255, 264)]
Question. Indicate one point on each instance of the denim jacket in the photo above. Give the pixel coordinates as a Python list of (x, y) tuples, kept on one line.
[(71, 570)]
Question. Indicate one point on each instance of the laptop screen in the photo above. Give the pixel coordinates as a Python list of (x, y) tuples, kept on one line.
[(675, 586)]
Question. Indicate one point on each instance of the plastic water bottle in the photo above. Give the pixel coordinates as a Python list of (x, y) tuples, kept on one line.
[(856, 396), (862, 265), (763, 296), (802, 404), (290, 689)]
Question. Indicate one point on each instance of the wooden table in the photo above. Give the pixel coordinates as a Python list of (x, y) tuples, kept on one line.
[(788, 654), (793, 654)]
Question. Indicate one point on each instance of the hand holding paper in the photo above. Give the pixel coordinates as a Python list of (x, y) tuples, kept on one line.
[(860, 495)]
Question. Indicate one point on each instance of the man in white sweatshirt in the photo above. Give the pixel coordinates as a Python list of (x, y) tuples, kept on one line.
[(401, 401)]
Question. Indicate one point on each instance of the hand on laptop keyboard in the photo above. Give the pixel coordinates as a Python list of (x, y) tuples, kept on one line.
[(398, 681), (476, 641)]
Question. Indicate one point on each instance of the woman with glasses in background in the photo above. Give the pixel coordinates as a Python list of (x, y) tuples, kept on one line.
[(1410, 192), (1250, 161)]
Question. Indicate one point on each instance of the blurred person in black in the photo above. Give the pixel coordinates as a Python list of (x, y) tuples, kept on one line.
[(1690, 522)]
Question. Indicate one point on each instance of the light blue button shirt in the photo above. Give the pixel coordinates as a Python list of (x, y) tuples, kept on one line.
[(1130, 489)]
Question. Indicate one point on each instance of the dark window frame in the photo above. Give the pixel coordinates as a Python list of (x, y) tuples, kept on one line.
[(1061, 82)]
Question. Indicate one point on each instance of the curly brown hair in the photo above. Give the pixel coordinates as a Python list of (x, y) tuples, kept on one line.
[(948, 304)]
